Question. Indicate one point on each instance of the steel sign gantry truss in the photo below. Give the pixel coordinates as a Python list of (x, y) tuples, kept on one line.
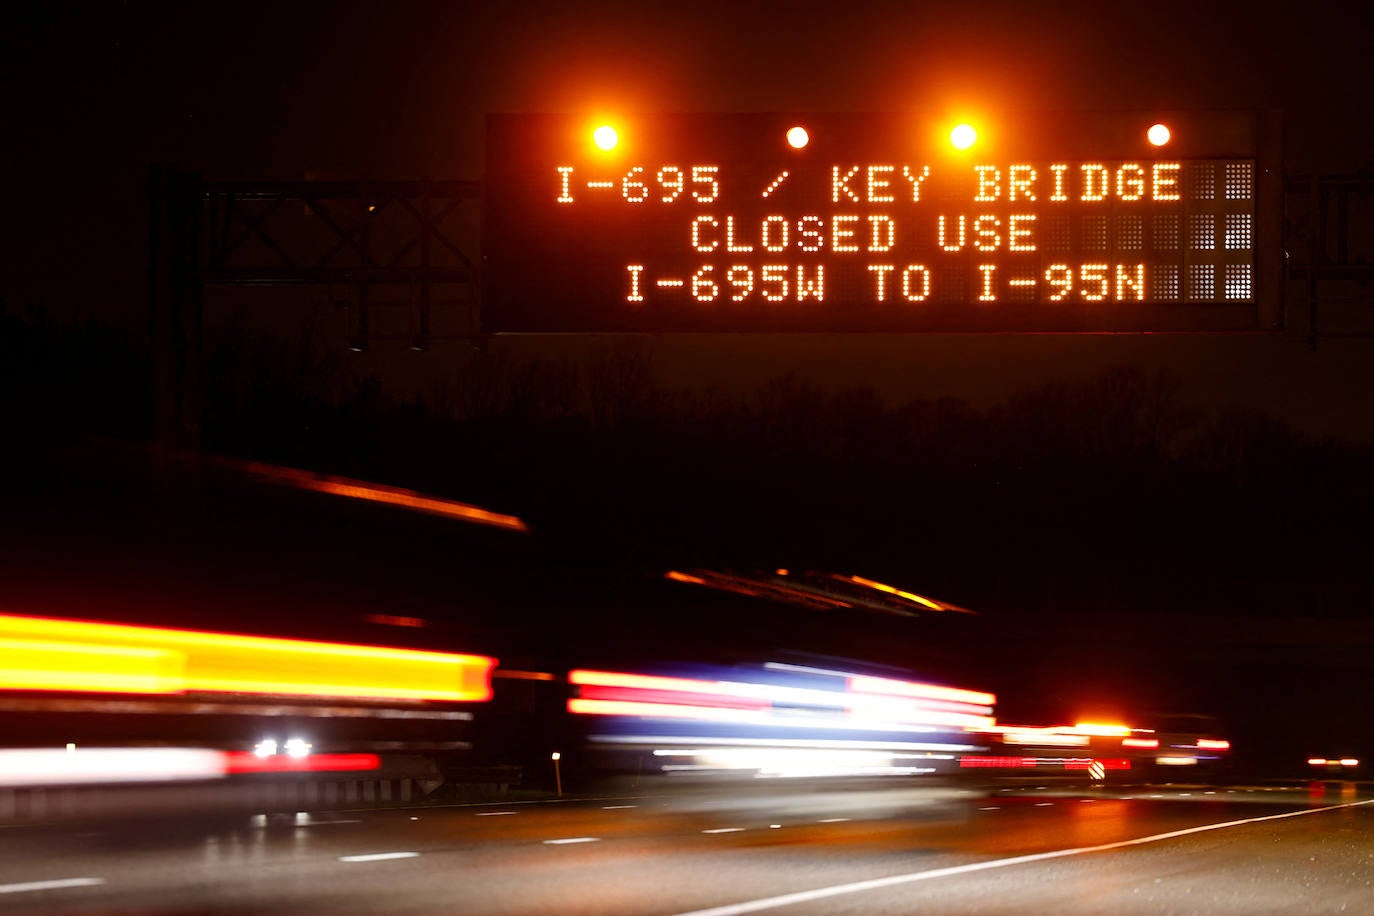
[(418, 236), (1329, 246)]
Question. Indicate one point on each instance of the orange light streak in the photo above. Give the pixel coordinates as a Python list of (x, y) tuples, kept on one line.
[(372, 492), (909, 596), (409, 499), (392, 620), (522, 675)]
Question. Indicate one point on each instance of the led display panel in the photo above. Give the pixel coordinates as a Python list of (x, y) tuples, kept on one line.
[(892, 223)]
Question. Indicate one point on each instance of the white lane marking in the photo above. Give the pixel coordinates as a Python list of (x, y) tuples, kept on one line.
[(573, 839), (617, 807), (49, 885), (724, 830), (379, 856), (493, 813), (1043, 804), (993, 808), (821, 893), (832, 820)]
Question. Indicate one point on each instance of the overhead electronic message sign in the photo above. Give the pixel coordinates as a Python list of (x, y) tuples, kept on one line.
[(846, 222)]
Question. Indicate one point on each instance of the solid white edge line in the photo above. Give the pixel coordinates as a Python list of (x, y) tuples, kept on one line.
[(492, 813), (724, 830), (379, 856), (820, 893), (572, 839), (49, 885)]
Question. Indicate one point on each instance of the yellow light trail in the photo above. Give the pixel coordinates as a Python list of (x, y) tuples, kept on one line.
[(50, 654)]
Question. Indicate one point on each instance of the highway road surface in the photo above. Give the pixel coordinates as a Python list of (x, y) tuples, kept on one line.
[(1167, 849)]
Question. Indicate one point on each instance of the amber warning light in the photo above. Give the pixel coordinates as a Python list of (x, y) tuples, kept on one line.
[(749, 222), (606, 137)]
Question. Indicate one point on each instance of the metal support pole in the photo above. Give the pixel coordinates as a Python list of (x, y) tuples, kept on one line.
[(421, 341), (363, 331), (174, 304)]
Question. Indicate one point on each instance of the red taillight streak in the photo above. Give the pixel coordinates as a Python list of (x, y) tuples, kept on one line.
[(1109, 763), (980, 762), (638, 695), (248, 762), (1072, 763)]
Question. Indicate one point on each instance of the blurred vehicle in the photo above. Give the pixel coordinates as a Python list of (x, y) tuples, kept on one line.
[(779, 720), (1335, 766), (1185, 747)]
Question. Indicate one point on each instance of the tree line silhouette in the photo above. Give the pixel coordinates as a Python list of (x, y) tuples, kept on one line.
[(1118, 492)]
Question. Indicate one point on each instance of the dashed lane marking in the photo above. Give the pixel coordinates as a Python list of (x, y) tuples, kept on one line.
[(53, 885)]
